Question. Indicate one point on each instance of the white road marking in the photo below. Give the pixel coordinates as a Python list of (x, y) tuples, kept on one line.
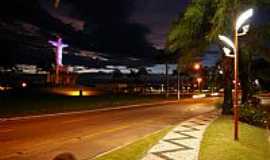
[(81, 112)]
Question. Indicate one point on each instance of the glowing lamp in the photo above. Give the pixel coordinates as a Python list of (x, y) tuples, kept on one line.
[(243, 18), (197, 66), (228, 42), (24, 84)]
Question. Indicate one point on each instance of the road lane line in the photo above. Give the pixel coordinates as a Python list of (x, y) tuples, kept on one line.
[(72, 121), (86, 111)]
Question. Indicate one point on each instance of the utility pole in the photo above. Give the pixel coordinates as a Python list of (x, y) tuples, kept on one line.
[(167, 80)]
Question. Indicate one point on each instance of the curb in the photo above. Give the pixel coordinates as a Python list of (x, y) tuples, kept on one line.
[(86, 111)]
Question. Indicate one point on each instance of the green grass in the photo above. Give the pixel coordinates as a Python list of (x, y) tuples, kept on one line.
[(31, 104), (136, 150), (218, 142)]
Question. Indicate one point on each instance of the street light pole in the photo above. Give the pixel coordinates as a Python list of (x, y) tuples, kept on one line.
[(199, 86), (199, 80), (238, 24), (178, 84), (236, 106)]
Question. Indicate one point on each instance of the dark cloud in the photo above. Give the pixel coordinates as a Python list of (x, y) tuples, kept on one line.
[(104, 12), (107, 29), (108, 25), (158, 16)]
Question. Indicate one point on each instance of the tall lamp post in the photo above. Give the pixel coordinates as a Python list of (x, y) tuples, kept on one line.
[(178, 84), (199, 80), (239, 26)]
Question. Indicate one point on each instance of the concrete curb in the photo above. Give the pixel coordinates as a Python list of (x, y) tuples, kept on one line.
[(86, 111)]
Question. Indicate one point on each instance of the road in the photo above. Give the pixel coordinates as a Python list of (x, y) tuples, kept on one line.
[(87, 135)]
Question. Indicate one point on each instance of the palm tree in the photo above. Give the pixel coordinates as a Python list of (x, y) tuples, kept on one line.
[(199, 26)]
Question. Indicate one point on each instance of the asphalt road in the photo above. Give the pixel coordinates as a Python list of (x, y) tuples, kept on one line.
[(87, 135)]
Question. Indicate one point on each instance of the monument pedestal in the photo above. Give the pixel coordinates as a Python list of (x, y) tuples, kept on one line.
[(60, 76)]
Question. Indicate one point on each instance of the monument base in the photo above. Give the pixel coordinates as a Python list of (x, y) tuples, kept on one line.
[(60, 76)]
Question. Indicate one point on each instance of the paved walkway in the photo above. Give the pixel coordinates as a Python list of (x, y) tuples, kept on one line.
[(183, 142)]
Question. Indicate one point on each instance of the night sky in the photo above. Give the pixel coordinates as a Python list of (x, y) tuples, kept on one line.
[(99, 32), (156, 15)]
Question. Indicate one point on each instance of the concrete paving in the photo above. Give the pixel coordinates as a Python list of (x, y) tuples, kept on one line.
[(183, 142)]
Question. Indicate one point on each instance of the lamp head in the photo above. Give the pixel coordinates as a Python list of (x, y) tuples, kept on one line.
[(227, 52), (245, 30), (243, 18), (227, 41)]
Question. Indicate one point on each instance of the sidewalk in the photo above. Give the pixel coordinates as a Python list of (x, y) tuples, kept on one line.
[(183, 142)]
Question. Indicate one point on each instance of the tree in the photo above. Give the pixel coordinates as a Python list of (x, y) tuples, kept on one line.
[(199, 26), (254, 45), (142, 78), (142, 75)]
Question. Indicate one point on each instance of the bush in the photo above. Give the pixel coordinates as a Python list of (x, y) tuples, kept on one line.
[(253, 114)]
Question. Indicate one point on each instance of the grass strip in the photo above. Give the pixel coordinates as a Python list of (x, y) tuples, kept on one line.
[(136, 150), (218, 143)]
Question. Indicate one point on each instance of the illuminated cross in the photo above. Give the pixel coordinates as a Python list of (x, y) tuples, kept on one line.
[(59, 45)]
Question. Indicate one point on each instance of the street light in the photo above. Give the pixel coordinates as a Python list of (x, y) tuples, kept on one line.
[(230, 44), (242, 19), (197, 66)]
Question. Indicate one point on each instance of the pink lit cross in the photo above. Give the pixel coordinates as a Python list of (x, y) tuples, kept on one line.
[(59, 45)]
